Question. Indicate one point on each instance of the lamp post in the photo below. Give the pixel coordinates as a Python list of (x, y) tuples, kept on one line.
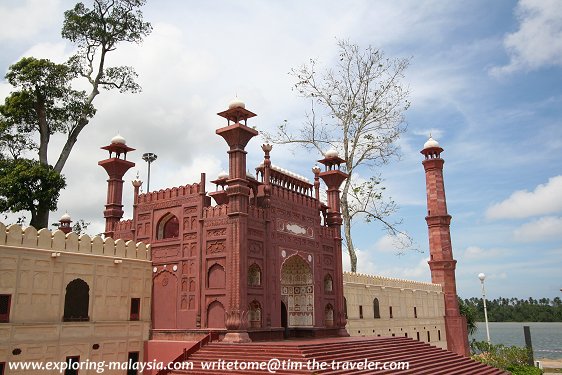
[(481, 276), (149, 157)]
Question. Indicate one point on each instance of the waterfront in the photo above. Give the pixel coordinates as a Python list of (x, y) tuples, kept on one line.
[(546, 337)]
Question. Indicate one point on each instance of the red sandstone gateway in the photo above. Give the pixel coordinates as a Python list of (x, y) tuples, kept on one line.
[(263, 262)]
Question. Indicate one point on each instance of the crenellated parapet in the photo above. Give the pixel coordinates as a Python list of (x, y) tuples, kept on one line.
[(390, 282), (220, 210), (124, 225), (170, 193), (57, 241)]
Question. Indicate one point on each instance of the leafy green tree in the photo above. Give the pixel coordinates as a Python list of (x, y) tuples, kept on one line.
[(29, 185), (516, 310), (44, 103), (469, 312), (358, 109)]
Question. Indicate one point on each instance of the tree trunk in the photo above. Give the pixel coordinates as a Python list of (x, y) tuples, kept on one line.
[(40, 219), (347, 227)]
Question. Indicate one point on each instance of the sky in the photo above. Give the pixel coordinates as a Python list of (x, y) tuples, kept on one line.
[(485, 79)]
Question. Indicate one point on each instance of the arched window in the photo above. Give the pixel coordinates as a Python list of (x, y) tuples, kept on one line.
[(216, 276), (345, 307), (169, 227), (328, 284), (76, 301), (376, 309), (254, 275), (254, 314)]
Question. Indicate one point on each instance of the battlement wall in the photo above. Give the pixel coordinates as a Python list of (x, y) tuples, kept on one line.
[(58, 241), (374, 280), (170, 193)]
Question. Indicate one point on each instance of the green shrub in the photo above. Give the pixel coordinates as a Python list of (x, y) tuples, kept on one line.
[(509, 358), (524, 370)]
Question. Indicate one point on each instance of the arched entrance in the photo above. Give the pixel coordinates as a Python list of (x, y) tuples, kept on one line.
[(297, 292)]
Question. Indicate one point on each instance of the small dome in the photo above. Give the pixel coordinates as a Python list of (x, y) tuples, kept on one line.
[(236, 103), (65, 217), (223, 175), (430, 143), (316, 169), (118, 139), (331, 154)]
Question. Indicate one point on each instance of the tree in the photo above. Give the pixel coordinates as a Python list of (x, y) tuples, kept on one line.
[(362, 103), (29, 185), (469, 312), (44, 101)]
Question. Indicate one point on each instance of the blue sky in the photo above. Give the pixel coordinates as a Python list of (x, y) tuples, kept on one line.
[(485, 79)]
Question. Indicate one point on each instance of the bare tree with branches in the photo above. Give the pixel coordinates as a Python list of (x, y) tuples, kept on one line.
[(362, 101)]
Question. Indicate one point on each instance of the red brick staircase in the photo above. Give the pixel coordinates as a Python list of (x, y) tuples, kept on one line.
[(353, 351)]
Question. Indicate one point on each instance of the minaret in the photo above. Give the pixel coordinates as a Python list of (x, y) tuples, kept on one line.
[(333, 178), (441, 263), (116, 167), (237, 136)]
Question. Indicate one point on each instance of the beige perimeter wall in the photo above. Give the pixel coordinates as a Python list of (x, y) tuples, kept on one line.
[(36, 267), (402, 296)]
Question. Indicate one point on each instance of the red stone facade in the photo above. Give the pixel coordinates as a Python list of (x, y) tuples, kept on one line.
[(259, 258), (441, 260)]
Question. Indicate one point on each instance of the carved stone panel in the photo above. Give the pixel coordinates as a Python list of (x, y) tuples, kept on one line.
[(294, 228), (219, 232), (255, 248), (165, 252), (215, 247)]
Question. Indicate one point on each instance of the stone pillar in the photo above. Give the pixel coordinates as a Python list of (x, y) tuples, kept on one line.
[(116, 167), (237, 137), (441, 263), (333, 178)]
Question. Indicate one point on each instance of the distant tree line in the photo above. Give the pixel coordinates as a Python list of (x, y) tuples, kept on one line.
[(516, 310)]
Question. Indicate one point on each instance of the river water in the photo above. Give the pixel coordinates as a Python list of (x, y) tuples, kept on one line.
[(546, 337)]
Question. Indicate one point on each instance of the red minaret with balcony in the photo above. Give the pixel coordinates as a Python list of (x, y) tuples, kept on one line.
[(237, 136), (333, 178), (116, 167), (441, 263)]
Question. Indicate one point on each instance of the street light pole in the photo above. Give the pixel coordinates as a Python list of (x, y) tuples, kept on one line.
[(148, 157), (481, 276)]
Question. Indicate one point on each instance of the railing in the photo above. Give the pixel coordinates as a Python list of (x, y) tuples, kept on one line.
[(187, 352)]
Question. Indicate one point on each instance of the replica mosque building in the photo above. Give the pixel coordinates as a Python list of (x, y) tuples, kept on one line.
[(258, 259)]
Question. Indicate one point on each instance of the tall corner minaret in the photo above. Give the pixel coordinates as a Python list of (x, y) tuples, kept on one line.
[(333, 178), (441, 262), (116, 166), (237, 135)]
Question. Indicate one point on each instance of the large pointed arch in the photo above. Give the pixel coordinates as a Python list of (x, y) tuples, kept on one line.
[(297, 291)]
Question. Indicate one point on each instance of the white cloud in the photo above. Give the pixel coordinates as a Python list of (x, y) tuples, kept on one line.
[(475, 252), (28, 18), (390, 243), (538, 42), (56, 52), (545, 228), (545, 199), (434, 132)]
